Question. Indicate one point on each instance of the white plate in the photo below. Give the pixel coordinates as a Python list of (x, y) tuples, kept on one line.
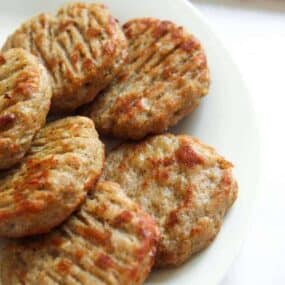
[(225, 120)]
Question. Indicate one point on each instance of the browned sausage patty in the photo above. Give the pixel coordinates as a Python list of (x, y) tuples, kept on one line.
[(185, 185), (110, 240), (25, 95), (82, 46), (164, 80), (62, 165)]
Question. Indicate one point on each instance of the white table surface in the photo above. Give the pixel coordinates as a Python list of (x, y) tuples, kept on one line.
[(254, 33)]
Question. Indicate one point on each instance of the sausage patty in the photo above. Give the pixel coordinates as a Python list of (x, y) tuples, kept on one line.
[(82, 46), (184, 184), (164, 80), (110, 240), (25, 95), (62, 165)]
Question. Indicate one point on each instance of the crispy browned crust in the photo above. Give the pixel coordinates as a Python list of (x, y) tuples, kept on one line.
[(164, 80), (110, 240), (83, 48), (25, 96), (185, 185), (64, 162)]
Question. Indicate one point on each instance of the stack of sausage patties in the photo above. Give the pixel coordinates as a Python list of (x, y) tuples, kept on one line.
[(69, 216)]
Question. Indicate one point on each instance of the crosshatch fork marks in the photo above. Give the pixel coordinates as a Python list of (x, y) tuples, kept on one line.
[(82, 46), (66, 256), (166, 72)]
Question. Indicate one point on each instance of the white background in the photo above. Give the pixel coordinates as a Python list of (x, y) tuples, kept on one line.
[(254, 33)]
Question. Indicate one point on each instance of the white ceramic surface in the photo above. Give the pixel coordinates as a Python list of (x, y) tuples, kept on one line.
[(225, 120)]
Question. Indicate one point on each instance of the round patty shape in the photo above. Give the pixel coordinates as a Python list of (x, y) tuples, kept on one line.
[(25, 96), (82, 46), (110, 240), (64, 162), (164, 80), (185, 185)]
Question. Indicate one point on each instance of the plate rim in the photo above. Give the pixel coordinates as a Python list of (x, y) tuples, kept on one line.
[(259, 169), (220, 273)]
